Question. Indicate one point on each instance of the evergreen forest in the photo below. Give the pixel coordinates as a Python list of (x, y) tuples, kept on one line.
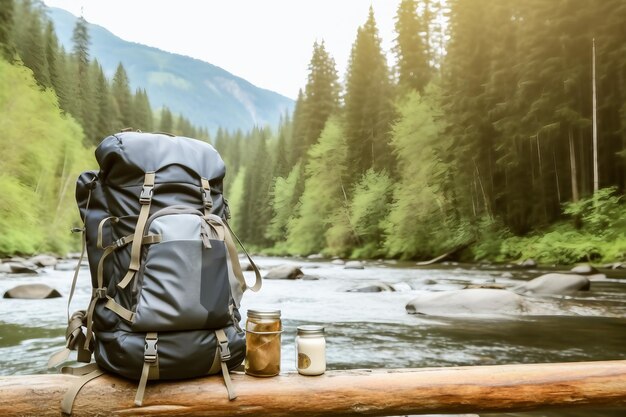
[(498, 132)]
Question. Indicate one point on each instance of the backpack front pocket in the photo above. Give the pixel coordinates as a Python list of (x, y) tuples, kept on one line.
[(183, 283)]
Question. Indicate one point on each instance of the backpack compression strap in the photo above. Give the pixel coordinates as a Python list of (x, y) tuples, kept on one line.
[(222, 346), (145, 199), (150, 366)]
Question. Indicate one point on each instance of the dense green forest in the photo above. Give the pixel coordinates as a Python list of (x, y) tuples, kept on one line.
[(479, 136)]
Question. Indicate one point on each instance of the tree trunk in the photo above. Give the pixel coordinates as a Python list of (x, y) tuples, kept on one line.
[(477, 389), (572, 165)]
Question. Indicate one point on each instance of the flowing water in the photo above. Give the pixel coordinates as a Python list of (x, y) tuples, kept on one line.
[(372, 330)]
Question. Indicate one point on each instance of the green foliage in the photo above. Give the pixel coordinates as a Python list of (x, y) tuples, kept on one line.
[(257, 186), (236, 198), (594, 234), (36, 177), (323, 191), (603, 213), (418, 218), (368, 211), (284, 201)]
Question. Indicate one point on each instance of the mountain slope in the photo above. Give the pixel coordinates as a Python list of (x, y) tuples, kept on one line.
[(206, 94)]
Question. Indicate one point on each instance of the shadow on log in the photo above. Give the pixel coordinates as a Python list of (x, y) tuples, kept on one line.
[(476, 389)]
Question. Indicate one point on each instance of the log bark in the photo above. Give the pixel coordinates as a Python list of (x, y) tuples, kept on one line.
[(474, 389)]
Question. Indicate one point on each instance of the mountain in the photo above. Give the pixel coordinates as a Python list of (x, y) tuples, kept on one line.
[(207, 95)]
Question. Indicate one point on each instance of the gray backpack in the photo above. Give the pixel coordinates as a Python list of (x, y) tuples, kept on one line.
[(166, 277)]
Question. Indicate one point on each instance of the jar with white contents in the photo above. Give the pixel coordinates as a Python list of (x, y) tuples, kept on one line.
[(311, 350)]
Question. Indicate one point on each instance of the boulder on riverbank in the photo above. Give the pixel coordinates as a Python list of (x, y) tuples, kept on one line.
[(470, 301), (555, 284), (20, 267), (377, 287), (32, 292), (44, 260), (584, 269), (285, 272), (354, 265)]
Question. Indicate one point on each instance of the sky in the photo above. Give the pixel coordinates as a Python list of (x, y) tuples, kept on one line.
[(267, 42)]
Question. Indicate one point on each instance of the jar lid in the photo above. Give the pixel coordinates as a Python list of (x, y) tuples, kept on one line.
[(264, 314), (310, 330)]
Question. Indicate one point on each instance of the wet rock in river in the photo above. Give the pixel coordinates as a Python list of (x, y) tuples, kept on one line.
[(338, 262), (557, 284), (32, 292), (378, 287), (315, 256), (584, 269), (44, 260), (13, 267), (470, 301), (284, 272), (354, 265), (491, 285)]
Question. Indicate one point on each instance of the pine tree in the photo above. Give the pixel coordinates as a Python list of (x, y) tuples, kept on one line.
[(32, 51), (105, 120), (167, 121), (257, 186), (56, 76), (6, 24), (411, 47), (368, 98), (142, 112), (297, 131), (467, 72), (121, 92), (321, 95), (86, 104)]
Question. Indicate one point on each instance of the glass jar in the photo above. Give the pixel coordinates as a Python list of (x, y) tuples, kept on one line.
[(311, 350), (263, 329)]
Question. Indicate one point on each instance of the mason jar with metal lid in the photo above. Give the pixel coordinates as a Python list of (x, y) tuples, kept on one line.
[(263, 329), (311, 350)]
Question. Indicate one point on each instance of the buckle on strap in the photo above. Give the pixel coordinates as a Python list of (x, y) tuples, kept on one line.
[(150, 352), (224, 351), (146, 194), (206, 198), (99, 293)]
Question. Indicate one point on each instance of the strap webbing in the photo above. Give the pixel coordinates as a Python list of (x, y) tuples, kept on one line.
[(80, 260), (112, 305), (114, 219), (79, 370), (235, 260), (228, 382), (101, 292), (141, 388), (207, 202), (145, 199), (222, 346), (68, 399), (150, 368), (74, 341)]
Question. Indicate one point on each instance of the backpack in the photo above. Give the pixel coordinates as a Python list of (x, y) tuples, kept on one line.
[(166, 278)]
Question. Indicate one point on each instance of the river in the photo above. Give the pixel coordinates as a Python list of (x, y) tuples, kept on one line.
[(372, 330)]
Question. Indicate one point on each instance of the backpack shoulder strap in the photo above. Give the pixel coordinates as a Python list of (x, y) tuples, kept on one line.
[(145, 199)]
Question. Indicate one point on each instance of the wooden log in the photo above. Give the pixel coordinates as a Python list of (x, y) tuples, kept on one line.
[(474, 389)]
